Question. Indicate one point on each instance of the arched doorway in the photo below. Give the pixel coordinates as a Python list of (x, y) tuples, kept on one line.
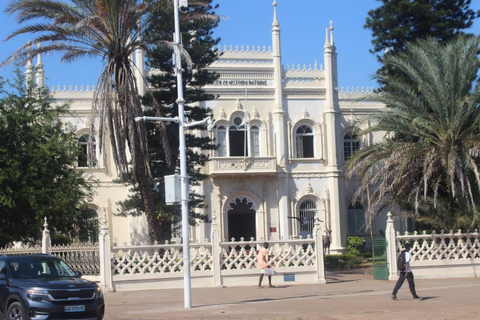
[(241, 219)]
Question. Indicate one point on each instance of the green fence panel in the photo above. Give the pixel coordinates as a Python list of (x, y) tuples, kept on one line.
[(380, 268)]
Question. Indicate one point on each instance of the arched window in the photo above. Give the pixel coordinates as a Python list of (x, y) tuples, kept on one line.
[(237, 138), (304, 142), (356, 219), (306, 214), (222, 141), (88, 226), (351, 143), (83, 158), (255, 140)]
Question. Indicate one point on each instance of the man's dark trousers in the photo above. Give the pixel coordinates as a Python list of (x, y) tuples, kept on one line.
[(400, 281)]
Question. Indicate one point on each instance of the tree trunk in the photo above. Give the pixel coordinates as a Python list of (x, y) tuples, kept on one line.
[(144, 186)]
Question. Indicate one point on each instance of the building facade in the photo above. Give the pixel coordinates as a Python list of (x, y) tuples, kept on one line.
[(284, 134)]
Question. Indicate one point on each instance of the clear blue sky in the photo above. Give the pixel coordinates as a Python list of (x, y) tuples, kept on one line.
[(249, 22)]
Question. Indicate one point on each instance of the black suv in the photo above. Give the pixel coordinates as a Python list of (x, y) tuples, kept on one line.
[(42, 286)]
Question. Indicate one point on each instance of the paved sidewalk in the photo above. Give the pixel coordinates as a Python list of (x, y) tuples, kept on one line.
[(345, 296)]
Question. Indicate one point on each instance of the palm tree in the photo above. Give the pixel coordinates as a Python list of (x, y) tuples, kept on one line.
[(111, 30), (428, 162)]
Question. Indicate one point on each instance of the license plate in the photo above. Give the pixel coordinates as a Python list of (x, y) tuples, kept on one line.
[(74, 308)]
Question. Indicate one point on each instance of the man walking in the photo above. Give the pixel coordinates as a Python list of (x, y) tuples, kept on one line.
[(403, 266), (264, 264)]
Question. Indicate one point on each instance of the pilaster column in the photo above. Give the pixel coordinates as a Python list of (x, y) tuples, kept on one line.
[(334, 140), (46, 240), (105, 257), (319, 263), (391, 248)]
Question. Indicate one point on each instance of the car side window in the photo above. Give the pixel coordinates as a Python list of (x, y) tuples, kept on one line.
[(3, 268)]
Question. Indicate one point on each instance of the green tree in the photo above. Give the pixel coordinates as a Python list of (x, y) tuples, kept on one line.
[(428, 162), (397, 22), (110, 30), (37, 160), (198, 42)]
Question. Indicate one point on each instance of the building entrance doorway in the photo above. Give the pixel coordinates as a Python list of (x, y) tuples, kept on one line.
[(241, 219)]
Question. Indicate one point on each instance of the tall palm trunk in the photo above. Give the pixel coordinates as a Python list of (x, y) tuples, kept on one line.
[(130, 105), (144, 186)]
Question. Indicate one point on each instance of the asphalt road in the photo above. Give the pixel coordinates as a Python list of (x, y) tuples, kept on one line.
[(345, 296)]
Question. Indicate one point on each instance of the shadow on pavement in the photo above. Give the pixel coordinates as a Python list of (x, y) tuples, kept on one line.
[(257, 301)]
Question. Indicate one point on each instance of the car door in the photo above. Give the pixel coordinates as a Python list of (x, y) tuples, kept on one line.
[(3, 285)]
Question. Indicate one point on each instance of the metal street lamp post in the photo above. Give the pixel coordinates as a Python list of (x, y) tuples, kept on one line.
[(180, 119)]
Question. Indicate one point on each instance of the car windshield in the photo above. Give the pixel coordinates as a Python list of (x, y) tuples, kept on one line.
[(32, 268)]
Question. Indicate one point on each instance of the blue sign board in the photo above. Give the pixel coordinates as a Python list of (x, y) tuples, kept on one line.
[(288, 277)]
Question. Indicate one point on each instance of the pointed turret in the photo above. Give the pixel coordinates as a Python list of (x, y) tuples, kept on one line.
[(280, 127), (334, 141), (39, 72), (330, 56), (29, 73), (277, 60)]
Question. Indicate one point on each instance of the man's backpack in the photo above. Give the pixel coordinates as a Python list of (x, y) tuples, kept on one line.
[(401, 261)]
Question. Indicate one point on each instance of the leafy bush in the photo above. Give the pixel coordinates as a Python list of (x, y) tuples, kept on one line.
[(352, 258)]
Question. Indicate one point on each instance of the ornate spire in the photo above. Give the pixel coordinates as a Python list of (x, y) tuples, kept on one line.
[(332, 43), (275, 22), (39, 72), (29, 72), (327, 41)]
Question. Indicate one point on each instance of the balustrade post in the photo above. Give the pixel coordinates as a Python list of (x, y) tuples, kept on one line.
[(391, 248), (216, 254), (320, 262), (46, 240), (105, 258)]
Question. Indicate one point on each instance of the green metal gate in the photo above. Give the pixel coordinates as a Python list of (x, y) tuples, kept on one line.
[(380, 268)]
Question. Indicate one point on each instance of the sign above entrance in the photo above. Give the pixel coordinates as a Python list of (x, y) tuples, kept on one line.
[(243, 83)]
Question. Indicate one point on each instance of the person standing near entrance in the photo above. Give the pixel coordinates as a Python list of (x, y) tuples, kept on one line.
[(405, 273), (263, 263)]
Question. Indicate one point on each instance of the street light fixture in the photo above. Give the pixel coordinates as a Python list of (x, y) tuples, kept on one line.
[(180, 119)]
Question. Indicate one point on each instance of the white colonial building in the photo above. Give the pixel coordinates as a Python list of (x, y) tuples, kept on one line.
[(284, 133)]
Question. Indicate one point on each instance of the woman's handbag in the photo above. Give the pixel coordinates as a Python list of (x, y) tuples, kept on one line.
[(269, 271)]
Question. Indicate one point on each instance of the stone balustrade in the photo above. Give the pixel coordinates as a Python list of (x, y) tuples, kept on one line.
[(435, 255)]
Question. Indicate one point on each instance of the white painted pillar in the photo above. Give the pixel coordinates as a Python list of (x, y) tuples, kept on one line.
[(319, 263), (279, 125), (46, 240), (391, 248), (105, 258), (216, 254), (335, 174)]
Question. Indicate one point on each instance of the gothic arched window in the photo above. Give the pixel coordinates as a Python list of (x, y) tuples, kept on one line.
[(83, 158), (306, 213), (304, 142), (356, 219), (351, 143), (88, 226), (255, 140), (237, 138), (221, 141)]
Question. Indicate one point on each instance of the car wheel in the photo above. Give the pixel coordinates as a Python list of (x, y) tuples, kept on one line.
[(15, 311)]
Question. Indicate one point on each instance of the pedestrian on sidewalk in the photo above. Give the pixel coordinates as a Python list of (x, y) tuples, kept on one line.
[(264, 264), (403, 265)]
